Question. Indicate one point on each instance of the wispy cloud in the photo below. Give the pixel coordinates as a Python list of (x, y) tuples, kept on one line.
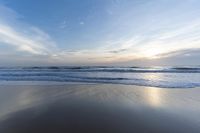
[(30, 39), (37, 42), (7, 14), (181, 53), (157, 43)]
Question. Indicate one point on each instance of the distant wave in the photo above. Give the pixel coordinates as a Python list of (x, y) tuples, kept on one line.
[(108, 69)]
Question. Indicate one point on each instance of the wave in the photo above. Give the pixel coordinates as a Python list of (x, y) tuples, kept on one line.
[(106, 80), (125, 81), (106, 69)]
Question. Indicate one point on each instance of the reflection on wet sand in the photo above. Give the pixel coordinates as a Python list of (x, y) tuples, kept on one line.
[(153, 93), (98, 108), (154, 96)]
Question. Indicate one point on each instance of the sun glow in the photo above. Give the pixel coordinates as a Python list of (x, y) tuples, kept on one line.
[(152, 52)]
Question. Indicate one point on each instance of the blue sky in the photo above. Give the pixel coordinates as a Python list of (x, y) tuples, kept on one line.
[(99, 32)]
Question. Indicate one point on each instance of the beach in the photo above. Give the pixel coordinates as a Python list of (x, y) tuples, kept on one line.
[(98, 108), (99, 66)]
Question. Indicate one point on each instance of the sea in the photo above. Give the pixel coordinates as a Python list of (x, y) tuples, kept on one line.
[(162, 77)]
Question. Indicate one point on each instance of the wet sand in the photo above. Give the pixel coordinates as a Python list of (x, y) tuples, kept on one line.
[(98, 108)]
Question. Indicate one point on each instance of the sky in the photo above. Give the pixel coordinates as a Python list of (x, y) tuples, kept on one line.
[(99, 32)]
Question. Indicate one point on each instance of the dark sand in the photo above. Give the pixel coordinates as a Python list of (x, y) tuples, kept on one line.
[(98, 109)]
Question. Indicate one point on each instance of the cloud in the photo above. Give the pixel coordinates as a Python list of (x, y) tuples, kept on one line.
[(118, 51), (152, 44), (29, 38), (37, 42), (8, 15), (181, 53), (186, 57), (182, 57)]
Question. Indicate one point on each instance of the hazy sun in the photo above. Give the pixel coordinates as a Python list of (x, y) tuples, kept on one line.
[(153, 52)]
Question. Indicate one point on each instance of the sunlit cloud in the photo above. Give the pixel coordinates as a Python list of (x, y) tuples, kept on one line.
[(160, 42)]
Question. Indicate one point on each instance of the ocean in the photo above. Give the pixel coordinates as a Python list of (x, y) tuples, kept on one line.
[(163, 77)]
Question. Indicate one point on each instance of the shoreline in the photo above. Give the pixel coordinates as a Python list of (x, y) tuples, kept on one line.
[(57, 83)]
